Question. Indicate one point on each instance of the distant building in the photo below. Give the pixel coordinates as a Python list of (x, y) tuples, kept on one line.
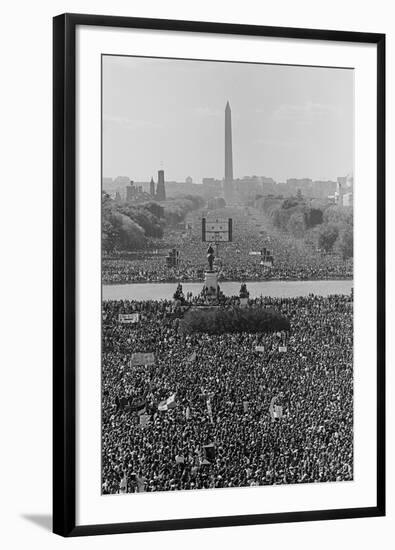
[(107, 183), (268, 185), (350, 181), (135, 193), (304, 184), (121, 181), (322, 188), (309, 188), (160, 188), (346, 182), (152, 187), (211, 188), (130, 191), (344, 190), (347, 199), (247, 188)]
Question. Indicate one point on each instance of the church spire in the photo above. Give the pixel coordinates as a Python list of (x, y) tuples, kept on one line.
[(152, 187)]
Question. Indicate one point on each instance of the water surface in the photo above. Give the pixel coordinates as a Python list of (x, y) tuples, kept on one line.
[(285, 289)]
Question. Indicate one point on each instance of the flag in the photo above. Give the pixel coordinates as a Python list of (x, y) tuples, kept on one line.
[(167, 404)]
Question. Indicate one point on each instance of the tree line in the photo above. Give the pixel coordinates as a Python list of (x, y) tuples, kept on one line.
[(329, 226), (128, 227)]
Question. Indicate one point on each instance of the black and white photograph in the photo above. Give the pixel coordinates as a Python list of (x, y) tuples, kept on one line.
[(227, 274), (195, 328)]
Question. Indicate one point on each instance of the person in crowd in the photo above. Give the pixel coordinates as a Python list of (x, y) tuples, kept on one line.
[(293, 259)]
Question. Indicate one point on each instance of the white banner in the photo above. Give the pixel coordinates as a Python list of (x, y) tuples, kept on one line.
[(129, 317), (142, 359)]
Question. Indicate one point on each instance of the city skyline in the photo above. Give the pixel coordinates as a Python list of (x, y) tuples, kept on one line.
[(165, 113)]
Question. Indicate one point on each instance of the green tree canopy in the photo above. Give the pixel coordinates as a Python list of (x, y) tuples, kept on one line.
[(346, 243), (219, 321), (327, 236)]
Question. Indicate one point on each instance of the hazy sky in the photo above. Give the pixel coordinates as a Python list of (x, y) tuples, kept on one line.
[(286, 121)]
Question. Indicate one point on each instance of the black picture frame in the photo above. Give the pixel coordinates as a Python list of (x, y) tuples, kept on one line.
[(64, 273)]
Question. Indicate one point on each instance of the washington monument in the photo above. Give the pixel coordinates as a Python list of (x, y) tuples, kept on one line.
[(228, 183)]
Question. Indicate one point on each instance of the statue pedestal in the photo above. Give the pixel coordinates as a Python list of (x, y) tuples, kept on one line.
[(211, 284)]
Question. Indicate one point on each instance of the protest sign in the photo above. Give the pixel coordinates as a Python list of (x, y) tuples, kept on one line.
[(129, 317), (139, 358)]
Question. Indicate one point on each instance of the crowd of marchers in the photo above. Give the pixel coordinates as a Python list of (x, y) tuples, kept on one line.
[(202, 415), (240, 259)]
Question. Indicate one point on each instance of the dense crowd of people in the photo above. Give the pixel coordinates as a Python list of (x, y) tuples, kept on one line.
[(202, 415), (293, 259)]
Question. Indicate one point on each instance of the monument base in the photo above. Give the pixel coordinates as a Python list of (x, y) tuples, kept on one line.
[(211, 280), (210, 287)]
